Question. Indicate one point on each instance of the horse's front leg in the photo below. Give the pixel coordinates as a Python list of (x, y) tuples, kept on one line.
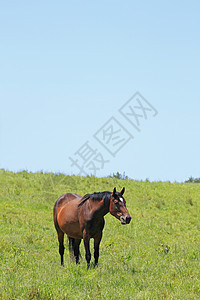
[(97, 240), (86, 239)]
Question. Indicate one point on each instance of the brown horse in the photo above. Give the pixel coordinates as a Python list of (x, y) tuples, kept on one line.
[(83, 218)]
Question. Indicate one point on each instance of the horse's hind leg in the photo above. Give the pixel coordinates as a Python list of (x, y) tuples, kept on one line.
[(61, 245), (71, 246), (76, 249)]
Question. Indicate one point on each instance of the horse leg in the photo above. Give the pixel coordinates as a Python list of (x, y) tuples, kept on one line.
[(71, 246), (76, 249), (86, 239), (97, 240), (61, 245)]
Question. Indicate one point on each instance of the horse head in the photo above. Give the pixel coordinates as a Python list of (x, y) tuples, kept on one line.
[(118, 208)]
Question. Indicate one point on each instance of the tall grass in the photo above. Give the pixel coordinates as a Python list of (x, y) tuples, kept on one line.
[(156, 256)]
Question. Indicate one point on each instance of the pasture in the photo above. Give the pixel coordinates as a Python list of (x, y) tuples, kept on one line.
[(156, 256)]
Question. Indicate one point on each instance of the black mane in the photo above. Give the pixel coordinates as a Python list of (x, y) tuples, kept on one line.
[(96, 197)]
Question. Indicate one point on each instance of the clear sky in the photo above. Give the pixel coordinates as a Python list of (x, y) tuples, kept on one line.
[(67, 71)]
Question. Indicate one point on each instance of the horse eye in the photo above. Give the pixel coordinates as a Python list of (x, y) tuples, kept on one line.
[(115, 201)]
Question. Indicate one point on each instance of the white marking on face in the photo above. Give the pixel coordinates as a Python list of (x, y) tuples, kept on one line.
[(121, 199)]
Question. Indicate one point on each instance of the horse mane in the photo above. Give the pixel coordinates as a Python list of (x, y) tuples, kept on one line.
[(96, 197)]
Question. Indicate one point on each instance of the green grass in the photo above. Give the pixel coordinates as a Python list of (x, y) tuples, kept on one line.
[(156, 256)]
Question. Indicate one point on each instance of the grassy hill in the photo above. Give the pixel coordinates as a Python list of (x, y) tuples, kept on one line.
[(156, 256)]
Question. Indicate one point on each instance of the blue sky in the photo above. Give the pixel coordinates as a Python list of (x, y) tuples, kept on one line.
[(67, 67)]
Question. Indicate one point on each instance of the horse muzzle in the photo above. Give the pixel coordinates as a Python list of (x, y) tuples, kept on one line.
[(125, 220)]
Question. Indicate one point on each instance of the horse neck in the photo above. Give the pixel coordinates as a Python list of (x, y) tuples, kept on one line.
[(106, 205), (102, 207)]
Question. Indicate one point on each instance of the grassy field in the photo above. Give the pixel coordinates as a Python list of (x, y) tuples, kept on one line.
[(156, 256)]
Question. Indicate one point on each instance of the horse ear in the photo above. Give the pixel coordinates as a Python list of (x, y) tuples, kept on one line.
[(114, 191), (122, 191)]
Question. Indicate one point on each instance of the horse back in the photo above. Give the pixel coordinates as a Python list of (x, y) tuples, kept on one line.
[(63, 200)]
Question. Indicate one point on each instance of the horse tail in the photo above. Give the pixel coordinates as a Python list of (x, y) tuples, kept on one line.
[(55, 214)]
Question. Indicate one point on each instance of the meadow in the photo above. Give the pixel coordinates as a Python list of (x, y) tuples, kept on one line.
[(156, 256)]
